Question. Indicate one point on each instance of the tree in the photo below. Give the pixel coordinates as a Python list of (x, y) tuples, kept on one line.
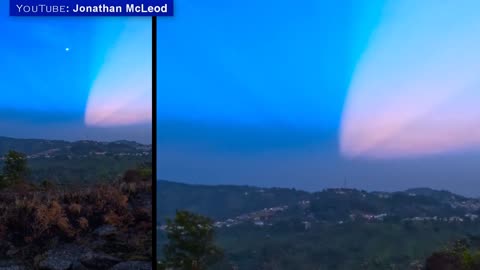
[(15, 168), (47, 184), (458, 257), (444, 261), (160, 266), (132, 176), (190, 243), (145, 170)]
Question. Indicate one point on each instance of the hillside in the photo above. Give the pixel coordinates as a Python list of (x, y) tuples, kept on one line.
[(96, 214), (79, 162), (220, 202), (329, 229), (223, 201), (99, 227), (52, 148)]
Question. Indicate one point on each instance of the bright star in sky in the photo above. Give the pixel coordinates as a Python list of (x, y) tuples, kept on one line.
[(67, 49)]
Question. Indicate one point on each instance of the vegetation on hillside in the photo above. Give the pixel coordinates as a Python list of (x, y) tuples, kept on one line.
[(220, 202), (335, 229), (460, 256), (76, 163), (190, 243), (330, 249), (14, 169), (36, 217)]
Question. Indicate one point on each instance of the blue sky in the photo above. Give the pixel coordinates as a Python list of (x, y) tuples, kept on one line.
[(279, 94), (51, 69), (244, 69)]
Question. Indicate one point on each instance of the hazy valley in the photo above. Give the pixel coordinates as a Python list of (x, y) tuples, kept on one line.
[(277, 228)]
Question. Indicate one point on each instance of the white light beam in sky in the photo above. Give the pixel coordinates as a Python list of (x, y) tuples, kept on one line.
[(122, 91), (416, 89)]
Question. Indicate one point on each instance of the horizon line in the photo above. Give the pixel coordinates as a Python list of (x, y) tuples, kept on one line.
[(71, 141)]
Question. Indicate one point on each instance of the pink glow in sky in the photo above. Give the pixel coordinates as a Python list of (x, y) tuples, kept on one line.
[(416, 89), (122, 91)]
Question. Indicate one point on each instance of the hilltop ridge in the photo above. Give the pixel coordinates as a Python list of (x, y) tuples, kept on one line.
[(223, 201), (77, 162)]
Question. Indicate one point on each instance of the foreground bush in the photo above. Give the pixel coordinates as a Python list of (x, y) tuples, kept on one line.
[(458, 257), (30, 219)]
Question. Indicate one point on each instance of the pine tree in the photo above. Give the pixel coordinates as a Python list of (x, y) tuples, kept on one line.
[(191, 243)]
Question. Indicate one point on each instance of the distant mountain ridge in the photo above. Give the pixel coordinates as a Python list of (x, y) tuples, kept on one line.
[(77, 162), (220, 201), (439, 194), (58, 147), (227, 201)]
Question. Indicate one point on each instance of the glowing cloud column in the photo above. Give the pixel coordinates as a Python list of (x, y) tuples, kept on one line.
[(122, 92), (416, 89)]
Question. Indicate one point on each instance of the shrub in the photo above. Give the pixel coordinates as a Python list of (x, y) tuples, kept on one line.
[(15, 167), (35, 217)]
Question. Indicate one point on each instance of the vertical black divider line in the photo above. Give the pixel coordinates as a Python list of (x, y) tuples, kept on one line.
[(154, 141)]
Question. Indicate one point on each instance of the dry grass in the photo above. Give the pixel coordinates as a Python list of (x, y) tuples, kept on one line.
[(28, 217)]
